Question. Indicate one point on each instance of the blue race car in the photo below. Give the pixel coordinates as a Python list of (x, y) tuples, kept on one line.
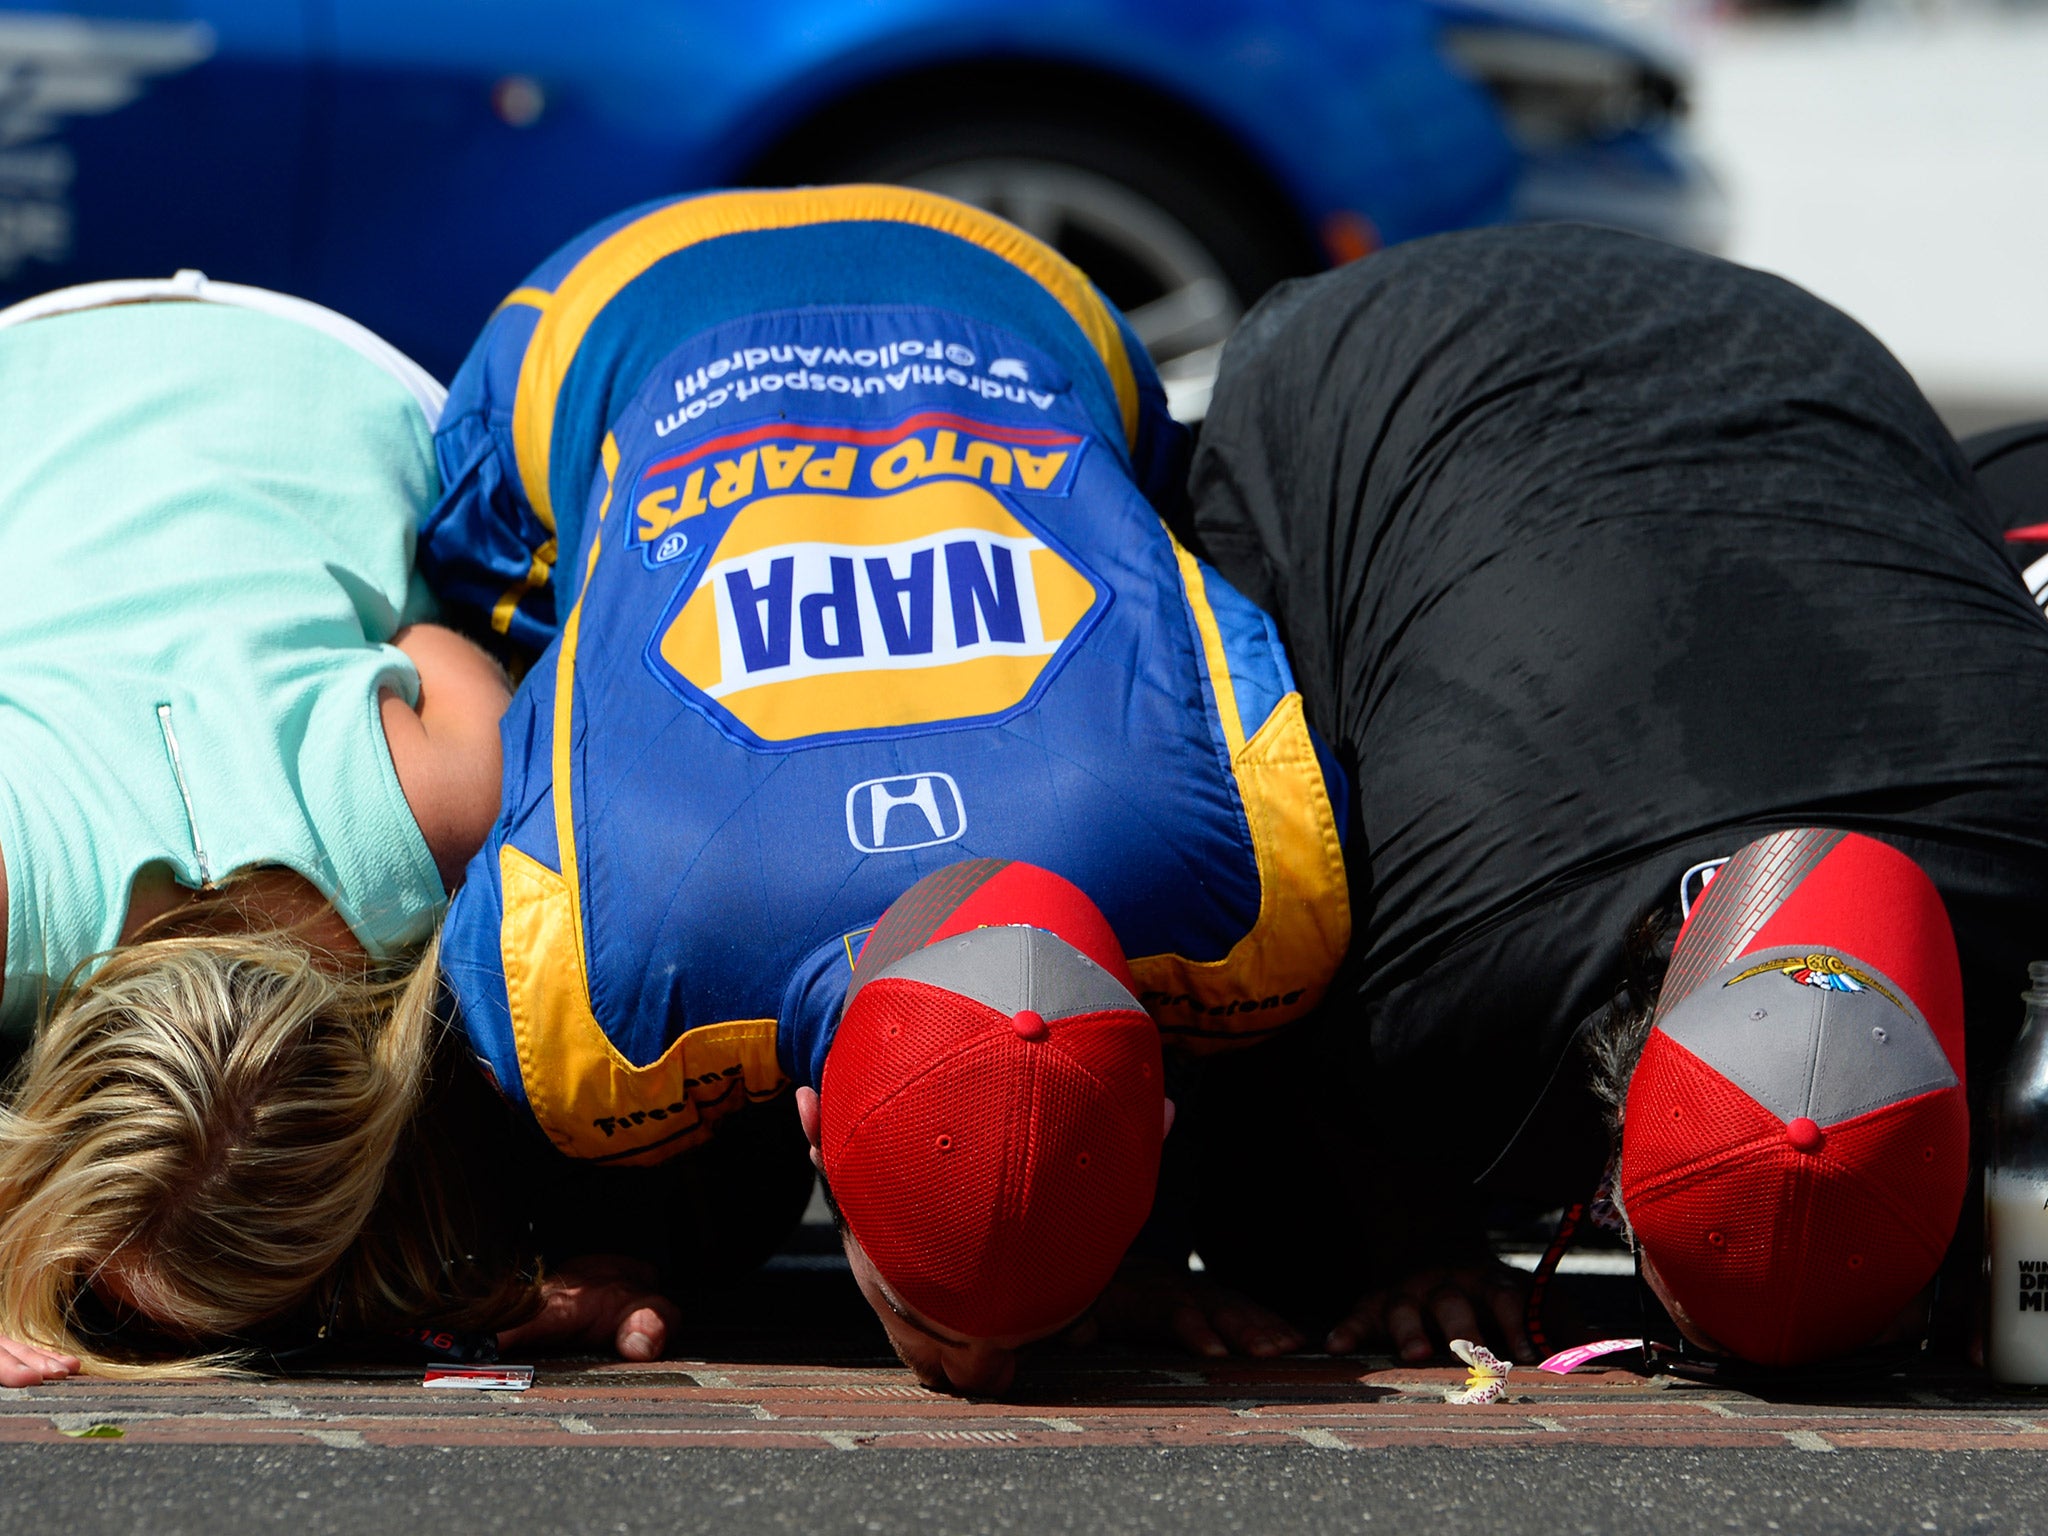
[(404, 161)]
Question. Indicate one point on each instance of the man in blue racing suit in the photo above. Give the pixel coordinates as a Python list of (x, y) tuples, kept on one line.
[(828, 517)]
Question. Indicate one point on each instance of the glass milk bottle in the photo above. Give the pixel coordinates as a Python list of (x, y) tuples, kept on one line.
[(2016, 1201)]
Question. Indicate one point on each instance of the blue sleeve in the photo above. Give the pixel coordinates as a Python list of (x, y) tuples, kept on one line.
[(1251, 646), (473, 980), (483, 549), (811, 1005)]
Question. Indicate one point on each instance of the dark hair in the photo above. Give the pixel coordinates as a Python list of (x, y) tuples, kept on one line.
[(1615, 1044), (832, 1204)]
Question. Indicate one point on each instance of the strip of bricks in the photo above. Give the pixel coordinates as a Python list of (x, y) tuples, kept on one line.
[(1315, 1405)]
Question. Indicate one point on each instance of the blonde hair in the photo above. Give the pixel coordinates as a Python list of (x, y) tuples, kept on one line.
[(229, 1123)]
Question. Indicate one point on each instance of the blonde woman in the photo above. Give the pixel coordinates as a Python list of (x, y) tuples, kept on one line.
[(232, 756)]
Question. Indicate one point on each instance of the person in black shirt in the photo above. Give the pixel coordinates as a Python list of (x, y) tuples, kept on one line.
[(1596, 559)]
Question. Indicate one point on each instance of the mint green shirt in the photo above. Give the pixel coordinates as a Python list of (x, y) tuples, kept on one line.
[(206, 535)]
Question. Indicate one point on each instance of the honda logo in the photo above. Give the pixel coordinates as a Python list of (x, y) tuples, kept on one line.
[(910, 810)]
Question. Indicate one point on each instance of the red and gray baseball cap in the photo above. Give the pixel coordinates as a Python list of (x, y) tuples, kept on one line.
[(993, 1101), (1795, 1141)]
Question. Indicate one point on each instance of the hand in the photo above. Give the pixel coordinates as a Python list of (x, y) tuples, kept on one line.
[(1151, 1303), (23, 1365), (598, 1302), (1450, 1301)]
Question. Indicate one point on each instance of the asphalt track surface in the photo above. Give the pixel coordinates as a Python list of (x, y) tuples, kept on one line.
[(230, 1490), (807, 1425)]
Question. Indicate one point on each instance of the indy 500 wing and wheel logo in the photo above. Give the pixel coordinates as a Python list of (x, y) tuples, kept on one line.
[(890, 555)]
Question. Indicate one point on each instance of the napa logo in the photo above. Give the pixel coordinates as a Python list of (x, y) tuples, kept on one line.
[(905, 592)]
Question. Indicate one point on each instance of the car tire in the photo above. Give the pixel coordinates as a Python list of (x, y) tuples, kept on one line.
[(1182, 250)]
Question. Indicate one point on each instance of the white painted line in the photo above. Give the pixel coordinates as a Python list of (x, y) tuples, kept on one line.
[(1321, 1439), (340, 1439)]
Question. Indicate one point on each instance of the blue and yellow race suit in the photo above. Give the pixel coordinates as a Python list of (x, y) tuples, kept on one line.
[(829, 509)]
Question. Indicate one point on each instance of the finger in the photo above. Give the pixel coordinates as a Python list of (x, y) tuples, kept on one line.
[(1364, 1323), (1406, 1332), (52, 1363), (644, 1331), (1451, 1310), (1191, 1327), (22, 1365), (1509, 1303), (15, 1371), (48, 1360), (1251, 1330), (641, 1335), (594, 1315), (600, 1312)]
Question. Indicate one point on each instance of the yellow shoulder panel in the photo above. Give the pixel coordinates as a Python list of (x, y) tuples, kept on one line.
[(525, 298), (568, 313), (590, 1100)]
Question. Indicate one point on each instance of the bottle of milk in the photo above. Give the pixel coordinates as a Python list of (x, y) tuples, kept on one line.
[(2016, 1200)]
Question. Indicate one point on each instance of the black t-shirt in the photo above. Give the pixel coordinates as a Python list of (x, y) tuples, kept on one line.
[(1597, 558)]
